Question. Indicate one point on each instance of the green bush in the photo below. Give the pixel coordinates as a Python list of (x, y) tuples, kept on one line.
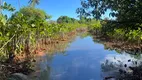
[(135, 35), (119, 34), (94, 24)]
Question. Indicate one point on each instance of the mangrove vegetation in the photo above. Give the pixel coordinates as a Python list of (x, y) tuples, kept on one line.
[(29, 32)]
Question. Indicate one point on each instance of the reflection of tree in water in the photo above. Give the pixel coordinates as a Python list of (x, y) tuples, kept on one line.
[(43, 69), (44, 72), (60, 47), (11, 69), (119, 47), (45, 75), (84, 34), (122, 67)]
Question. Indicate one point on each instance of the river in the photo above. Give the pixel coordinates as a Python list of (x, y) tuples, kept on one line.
[(84, 59)]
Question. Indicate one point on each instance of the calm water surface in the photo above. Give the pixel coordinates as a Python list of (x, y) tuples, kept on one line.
[(82, 60)]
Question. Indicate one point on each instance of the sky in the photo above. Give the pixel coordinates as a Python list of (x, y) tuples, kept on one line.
[(55, 8)]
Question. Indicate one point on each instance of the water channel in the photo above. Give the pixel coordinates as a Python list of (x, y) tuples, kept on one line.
[(85, 59)]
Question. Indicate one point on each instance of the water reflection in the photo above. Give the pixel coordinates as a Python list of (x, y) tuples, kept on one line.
[(122, 66), (118, 46), (82, 57), (45, 75), (81, 61), (43, 68)]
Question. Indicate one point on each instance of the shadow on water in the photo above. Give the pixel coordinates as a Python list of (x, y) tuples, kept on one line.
[(122, 67)]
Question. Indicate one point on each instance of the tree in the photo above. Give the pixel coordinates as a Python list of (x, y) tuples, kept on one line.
[(34, 13), (5, 6), (66, 19), (83, 19), (19, 3), (123, 10), (34, 2), (0, 6), (8, 7)]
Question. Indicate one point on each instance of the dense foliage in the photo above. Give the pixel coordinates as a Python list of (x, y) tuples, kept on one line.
[(23, 31), (124, 10), (25, 28), (66, 19), (126, 26)]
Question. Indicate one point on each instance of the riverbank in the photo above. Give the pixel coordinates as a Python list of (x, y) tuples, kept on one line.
[(118, 45), (24, 63)]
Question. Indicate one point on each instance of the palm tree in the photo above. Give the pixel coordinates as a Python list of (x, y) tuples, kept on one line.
[(19, 4), (33, 2), (0, 2), (0, 6)]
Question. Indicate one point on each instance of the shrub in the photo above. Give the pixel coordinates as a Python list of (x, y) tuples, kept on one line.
[(134, 35)]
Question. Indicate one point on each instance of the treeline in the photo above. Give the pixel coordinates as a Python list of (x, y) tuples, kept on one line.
[(25, 31), (25, 28), (82, 21), (129, 32), (127, 25)]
